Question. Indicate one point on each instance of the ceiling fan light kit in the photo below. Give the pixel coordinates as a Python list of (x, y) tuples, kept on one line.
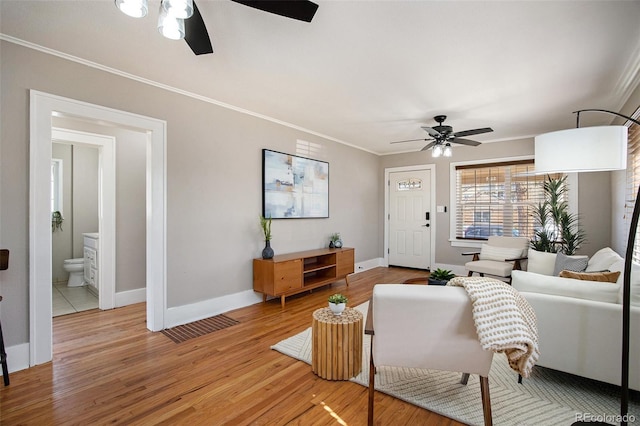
[(133, 8), (181, 9), (170, 26)]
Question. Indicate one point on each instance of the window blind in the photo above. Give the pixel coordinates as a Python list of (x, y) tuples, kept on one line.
[(633, 176), (497, 199)]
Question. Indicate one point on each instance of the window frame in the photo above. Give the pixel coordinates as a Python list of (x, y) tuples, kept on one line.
[(572, 181)]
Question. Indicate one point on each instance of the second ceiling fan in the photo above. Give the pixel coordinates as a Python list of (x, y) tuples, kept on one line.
[(443, 135)]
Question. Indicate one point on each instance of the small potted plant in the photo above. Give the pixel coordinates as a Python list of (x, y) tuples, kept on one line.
[(335, 241), (337, 303), (440, 277), (56, 221), (265, 224)]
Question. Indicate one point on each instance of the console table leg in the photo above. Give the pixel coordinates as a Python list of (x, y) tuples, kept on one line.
[(282, 301)]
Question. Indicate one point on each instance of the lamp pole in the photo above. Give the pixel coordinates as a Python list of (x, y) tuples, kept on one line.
[(626, 290)]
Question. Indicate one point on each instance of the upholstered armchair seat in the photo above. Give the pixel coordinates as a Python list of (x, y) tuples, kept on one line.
[(499, 256), (427, 327)]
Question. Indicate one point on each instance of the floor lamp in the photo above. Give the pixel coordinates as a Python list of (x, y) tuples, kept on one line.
[(589, 149)]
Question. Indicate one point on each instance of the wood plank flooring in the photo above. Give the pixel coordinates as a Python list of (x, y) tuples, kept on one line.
[(109, 369)]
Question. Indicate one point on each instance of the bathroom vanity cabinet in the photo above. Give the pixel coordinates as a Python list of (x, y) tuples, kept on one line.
[(91, 261), (293, 273)]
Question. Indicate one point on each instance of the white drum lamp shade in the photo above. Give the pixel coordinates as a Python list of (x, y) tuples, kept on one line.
[(584, 149)]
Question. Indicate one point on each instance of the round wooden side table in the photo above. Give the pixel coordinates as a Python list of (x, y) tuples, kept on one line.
[(336, 344)]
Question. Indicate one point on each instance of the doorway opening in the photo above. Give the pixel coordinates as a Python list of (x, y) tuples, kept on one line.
[(43, 107), (410, 225)]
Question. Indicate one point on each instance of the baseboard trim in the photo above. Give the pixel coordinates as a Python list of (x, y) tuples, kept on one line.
[(196, 311), (130, 297), (17, 357), (370, 264)]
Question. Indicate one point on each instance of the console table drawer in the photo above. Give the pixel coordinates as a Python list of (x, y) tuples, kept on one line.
[(287, 276)]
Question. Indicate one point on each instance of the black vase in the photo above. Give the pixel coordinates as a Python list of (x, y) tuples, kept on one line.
[(267, 251)]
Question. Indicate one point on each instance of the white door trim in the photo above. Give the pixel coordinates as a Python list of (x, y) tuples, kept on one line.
[(106, 207), (42, 107), (432, 205)]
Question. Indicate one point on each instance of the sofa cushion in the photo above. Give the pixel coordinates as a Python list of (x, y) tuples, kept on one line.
[(602, 260), (605, 276), (499, 254), (635, 281), (568, 287), (541, 262), (490, 267), (569, 263)]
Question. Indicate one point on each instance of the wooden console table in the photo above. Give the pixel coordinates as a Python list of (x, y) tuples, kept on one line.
[(336, 341), (292, 273)]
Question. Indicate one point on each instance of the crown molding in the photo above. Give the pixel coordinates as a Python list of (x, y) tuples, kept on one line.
[(169, 88)]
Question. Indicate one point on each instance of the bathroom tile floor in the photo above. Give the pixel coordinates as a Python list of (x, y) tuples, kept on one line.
[(68, 300)]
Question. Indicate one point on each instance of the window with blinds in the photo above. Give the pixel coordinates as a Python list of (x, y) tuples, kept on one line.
[(497, 199), (633, 177)]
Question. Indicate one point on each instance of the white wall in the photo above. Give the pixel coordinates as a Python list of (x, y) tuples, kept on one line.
[(213, 183)]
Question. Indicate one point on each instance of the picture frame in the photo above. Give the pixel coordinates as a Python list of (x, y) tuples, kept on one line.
[(294, 187)]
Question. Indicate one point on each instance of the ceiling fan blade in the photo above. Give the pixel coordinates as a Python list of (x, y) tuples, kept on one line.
[(473, 132), (465, 141), (411, 140), (433, 132), (195, 33), (302, 10), (426, 147)]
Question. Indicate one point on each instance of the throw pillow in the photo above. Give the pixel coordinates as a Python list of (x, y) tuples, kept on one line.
[(499, 254), (570, 263), (541, 262), (605, 276), (602, 260)]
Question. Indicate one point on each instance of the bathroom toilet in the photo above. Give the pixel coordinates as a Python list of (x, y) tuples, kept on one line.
[(75, 268)]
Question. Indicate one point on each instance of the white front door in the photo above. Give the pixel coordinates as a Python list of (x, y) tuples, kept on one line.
[(410, 219)]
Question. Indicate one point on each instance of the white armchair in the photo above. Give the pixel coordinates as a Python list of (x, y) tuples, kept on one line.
[(429, 327), (499, 256)]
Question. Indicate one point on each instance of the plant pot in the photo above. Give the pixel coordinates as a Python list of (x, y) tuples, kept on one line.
[(338, 244), (433, 281), (337, 308), (267, 252)]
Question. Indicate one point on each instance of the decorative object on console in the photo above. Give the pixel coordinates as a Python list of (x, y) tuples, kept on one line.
[(557, 228), (337, 303), (294, 187), (596, 149), (440, 277), (335, 241), (265, 223)]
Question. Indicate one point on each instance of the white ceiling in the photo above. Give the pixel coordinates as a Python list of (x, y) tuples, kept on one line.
[(366, 73)]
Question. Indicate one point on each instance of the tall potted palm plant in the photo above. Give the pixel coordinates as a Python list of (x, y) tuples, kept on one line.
[(557, 230)]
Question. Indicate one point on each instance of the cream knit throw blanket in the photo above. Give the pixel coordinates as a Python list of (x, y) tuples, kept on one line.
[(505, 322)]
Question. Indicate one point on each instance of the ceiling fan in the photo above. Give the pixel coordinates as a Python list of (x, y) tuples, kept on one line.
[(197, 37), (442, 136), (182, 19)]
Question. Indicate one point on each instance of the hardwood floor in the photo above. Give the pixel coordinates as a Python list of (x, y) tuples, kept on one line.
[(108, 368)]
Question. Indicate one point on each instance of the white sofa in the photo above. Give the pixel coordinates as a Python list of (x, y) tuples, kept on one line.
[(579, 321)]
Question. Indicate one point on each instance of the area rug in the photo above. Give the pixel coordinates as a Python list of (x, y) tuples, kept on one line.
[(548, 397)]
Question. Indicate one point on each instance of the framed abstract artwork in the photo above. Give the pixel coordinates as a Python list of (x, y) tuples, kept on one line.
[(294, 187)]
